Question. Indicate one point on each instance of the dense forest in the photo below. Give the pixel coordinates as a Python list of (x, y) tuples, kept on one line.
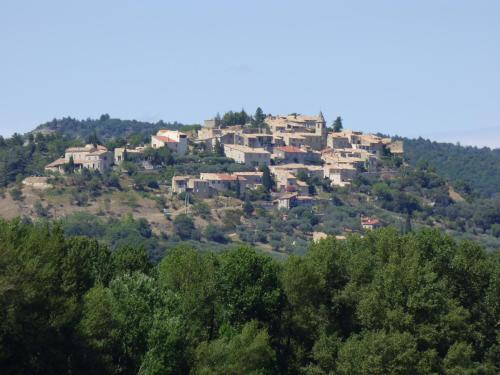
[(468, 167), (387, 303), (107, 128)]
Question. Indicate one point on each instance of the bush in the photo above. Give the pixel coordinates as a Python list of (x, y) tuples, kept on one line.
[(184, 226), (215, 233), (202, 209), (16, 194)]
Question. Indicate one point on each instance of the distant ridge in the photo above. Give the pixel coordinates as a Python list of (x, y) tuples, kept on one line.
[(479, 168)]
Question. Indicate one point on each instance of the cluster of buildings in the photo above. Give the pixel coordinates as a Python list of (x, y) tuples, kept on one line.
[(99, 158), (210, 184), (295, 143), (297, 148), (94, 157)]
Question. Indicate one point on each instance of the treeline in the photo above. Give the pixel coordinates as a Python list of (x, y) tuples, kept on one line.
[(25, 156), (107, 128), (382, 304), (467, 167)]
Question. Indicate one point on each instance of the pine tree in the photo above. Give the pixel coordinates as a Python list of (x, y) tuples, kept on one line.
[(267, 180), (218, 148), (248, 207), (337, 125)]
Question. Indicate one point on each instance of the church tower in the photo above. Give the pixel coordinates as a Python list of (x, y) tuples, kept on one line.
[(321, 127)]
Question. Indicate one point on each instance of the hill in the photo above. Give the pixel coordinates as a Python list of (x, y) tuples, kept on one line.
[(106, 128), (469, 168)]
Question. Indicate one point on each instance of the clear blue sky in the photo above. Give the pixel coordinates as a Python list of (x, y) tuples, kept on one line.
[(429, 68)]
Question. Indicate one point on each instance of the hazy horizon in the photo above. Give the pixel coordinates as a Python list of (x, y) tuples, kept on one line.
[(426, 69)]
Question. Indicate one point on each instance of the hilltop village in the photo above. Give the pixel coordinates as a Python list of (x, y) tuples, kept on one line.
[(277, 182), (291, 148)]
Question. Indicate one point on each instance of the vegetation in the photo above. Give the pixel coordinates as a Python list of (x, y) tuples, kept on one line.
[(383, 304), (107, 129), (469, 168)]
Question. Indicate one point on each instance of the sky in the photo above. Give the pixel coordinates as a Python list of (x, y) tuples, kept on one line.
[(411, 68)]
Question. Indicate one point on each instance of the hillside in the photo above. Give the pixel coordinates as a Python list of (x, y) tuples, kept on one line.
[(106, 128), (469, 168), (409, 198)]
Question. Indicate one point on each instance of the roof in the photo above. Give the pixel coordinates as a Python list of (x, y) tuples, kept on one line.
[(290, 149), (218, 177), (288, 196), (170, 131), (369, 221), (98, 152), (180, 178), (165, 139), (248, 174), (87, 148), (56, 163), (246, 149)]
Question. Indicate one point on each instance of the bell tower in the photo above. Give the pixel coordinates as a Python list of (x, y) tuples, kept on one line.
[(321, 127)]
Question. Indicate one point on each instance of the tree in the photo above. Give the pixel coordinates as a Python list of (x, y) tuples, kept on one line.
[(245, 352), (237, 187), (93, 139), (379, 353), (249, 287), (337, 125), (128, 259), (258, 117), (16, 194), (121, 338), (218, 148), (70, 167), (215, 233), (267, 180), (184, 226), (248, 207)]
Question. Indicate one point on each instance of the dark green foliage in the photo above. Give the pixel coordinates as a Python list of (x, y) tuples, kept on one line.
[(16, 194), (159, 156), (184, 226), (267, 180), (218, 148), (467, 167), (258, 117), (235, 118), (387, 303), (248, 207), (215, 233), (337, 125), (106, 129)]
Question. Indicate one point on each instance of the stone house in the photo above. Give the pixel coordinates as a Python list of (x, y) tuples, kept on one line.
[(175, 140)]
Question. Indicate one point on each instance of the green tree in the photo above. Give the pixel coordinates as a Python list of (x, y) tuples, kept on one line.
[(246, 352), (337, 125), (129, 259), (93, 139), (259, 116), (267, 180), (249, 287), (184, 226), (218, 148), (116, 321), (215, 233), (248, 207), (70, 167), (379, 353)]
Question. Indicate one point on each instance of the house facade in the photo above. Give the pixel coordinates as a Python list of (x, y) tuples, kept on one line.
[(175, 140)]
